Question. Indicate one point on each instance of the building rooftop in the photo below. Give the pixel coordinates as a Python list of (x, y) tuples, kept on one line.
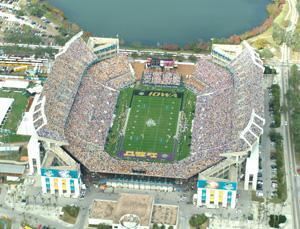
[(165, 214), (132, 209), (58, 159), (139, 205), (20, 84), (12, 169), (103, 209), (127, 204), (230, 51)]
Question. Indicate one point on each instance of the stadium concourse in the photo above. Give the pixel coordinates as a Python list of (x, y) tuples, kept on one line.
[(76, 110)]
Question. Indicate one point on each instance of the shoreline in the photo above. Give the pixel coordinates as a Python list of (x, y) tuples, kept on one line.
[(59, 18)]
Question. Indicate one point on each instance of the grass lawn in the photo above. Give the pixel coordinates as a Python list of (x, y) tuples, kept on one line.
[(14, 117), (17, 109), (70, 214), (152, 124)]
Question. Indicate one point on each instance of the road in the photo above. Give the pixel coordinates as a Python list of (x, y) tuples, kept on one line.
[(30, 46), (290, 164), (289, 153), (156, 52)]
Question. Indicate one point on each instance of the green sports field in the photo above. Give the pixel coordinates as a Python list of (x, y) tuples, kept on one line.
[(152, 124), (15, 115), (145, 123)]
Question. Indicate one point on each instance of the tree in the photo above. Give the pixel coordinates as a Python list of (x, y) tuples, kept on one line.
[(260, 43), (266, 53), (71, 210), (293, 39), (235, 39), (278, 34), (275, 137), (272, 9), (275, 220), (197, 220), (298, 7), (36, 10), (155, 226), (134, 55), (103, 226), (20, 13), (192, 58), (170, 47)]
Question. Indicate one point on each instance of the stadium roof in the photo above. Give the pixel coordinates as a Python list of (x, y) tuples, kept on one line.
[(20, 84), (12, 169), (230, 51), (5, 104)]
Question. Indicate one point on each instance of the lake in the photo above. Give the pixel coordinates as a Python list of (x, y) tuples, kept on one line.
[(164, 21)]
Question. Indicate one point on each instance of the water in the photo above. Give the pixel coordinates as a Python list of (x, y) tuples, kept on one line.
[(164, 21)]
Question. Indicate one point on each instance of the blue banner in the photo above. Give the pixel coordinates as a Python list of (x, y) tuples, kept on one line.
[(59, 173), (222, 185)]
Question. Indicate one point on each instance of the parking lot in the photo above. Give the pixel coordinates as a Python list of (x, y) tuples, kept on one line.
[(267, 175)]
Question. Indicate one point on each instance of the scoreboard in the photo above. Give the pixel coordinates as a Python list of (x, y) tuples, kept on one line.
[(164, 63)]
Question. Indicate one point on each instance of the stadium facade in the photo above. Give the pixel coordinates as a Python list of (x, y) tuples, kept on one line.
[(223, 54), (214, 194), (104, 47), (77, 104)]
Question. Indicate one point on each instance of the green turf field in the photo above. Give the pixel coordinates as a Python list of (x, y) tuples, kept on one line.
[(15, 115), (152, 124)]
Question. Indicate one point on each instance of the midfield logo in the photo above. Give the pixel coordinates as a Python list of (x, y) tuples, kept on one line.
[(162, 94)]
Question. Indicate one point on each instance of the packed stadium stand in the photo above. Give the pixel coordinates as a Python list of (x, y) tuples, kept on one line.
[(79, 99)]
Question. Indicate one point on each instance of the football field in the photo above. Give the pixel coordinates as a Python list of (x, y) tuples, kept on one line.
[(152, 124)]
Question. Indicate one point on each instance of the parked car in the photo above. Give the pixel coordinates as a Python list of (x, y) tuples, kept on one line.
[(260, 182), (259, 193), (259, 187), (274, 185)]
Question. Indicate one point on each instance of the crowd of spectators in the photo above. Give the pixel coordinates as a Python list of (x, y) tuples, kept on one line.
[(161, 77), (213, 76), (114, 72), (83, 107), (93, 108), (248, 89), (61, 87), (194, 84)]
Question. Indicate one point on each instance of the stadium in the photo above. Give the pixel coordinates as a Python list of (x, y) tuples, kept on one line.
[(162, 125)]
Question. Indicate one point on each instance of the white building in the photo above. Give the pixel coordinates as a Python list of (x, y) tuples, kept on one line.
[(60, 174), (104, 47), (223, 54), (215, 194)]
